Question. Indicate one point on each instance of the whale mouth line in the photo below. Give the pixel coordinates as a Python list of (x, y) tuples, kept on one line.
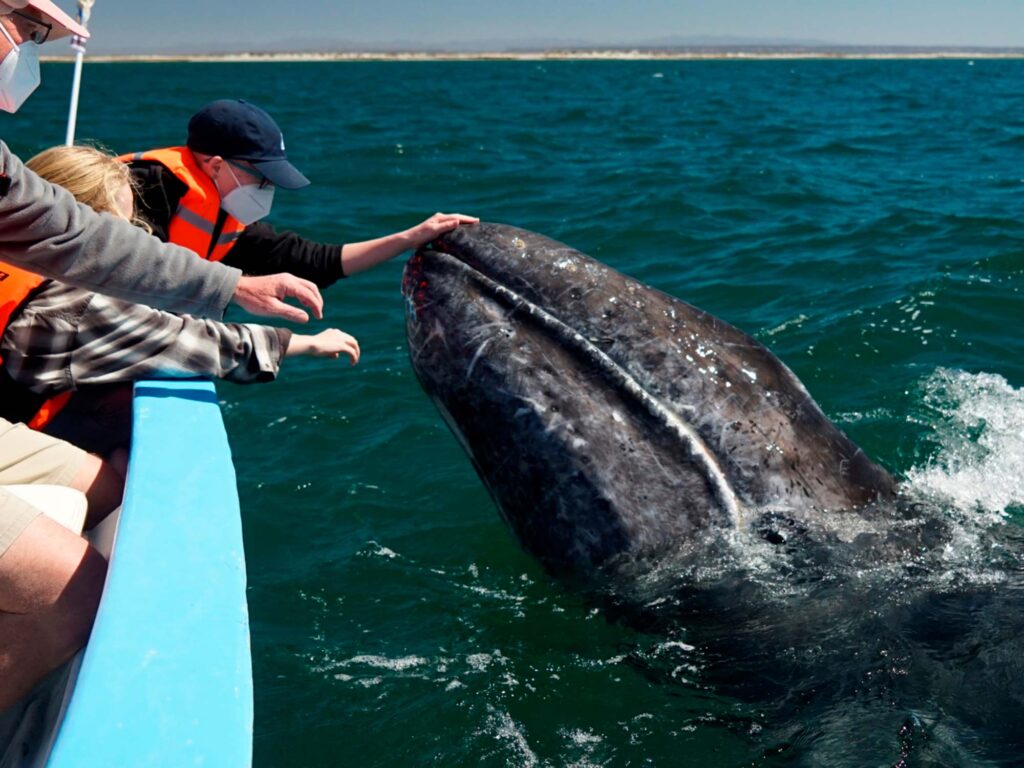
[(732, 512)]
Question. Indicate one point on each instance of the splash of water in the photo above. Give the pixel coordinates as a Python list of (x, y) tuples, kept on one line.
[(978, 423)]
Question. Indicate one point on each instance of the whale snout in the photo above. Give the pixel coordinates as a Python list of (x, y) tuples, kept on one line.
[(608, 420)]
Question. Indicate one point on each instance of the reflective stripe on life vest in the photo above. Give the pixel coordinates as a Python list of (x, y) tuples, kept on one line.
[(49, 410), (194, 223), (16, 287)]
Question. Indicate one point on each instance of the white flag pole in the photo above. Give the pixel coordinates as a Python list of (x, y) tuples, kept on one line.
[(78, 45)]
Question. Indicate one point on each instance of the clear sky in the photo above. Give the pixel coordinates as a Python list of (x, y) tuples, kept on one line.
[(189, 25)]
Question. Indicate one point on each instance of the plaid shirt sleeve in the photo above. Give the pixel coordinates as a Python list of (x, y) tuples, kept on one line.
[(65, 338)]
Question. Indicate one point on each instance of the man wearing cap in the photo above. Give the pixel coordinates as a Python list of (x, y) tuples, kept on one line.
[(70, 242), (210, 195), (50, 578)]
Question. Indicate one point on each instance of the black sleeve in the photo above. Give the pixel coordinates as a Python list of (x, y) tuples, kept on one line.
[(260, 250), (157, 194)]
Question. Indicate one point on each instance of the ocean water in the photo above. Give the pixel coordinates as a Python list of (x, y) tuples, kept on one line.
[(862, 219)]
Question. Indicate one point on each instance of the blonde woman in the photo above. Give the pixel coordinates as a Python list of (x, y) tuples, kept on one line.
[(90, 175), (60, 339)]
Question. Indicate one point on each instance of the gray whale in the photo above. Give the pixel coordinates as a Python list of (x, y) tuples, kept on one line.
[(610, 422), (676, 466)]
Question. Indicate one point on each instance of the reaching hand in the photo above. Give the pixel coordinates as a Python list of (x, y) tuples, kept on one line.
[(330, 343), (356, 257), (436, 226), (265, 296)]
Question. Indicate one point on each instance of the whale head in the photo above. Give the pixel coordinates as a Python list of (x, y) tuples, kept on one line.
[(612, 423)]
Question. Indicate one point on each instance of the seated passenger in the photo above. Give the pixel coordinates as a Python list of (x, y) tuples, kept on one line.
[(56, 339), (210, 195)]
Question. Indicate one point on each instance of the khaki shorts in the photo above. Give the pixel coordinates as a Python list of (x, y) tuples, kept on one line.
[(27, 456)]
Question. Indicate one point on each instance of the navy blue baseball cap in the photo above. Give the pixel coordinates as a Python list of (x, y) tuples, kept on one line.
[(238, 130)]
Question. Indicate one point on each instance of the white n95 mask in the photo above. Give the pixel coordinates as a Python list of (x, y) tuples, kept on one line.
[(248, 203), (19, 73)]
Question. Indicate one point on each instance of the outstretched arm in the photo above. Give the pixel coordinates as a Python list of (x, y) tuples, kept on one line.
[(43, 229), (357, 257), (65, 338), (262, 250), (330, 343)]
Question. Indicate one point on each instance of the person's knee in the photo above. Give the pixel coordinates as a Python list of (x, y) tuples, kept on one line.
[(64, 618), (74, 612), (51, 580), (103, 486), (50, 586)]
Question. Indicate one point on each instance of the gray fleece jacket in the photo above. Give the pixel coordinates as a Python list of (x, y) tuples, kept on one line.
[(45, 230)]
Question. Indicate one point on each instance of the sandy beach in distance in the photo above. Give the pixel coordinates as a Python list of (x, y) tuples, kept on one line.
[(568, 55)]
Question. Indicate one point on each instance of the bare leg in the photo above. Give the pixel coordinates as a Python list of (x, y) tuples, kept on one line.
[(50, 586), (103, 486), (27, 456)]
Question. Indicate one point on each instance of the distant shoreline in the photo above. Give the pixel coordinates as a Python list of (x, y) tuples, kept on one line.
[(566, 55)]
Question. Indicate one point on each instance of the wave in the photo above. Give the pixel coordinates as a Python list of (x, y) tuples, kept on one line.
[(978, 428)]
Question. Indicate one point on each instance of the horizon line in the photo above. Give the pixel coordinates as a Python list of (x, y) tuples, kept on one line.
[(682, 53)]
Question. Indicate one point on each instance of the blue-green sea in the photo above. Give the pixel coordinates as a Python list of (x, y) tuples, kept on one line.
[(863, 219)]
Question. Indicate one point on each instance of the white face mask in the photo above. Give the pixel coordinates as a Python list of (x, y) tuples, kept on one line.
[(19, 73), (247, 202)]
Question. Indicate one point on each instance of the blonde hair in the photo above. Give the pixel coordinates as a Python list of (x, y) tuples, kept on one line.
[(92, 176)]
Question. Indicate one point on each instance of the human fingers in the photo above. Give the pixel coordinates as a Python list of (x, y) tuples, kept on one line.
[(440, 223), (450, 221), (351, 348), (305, 292), (274, 307), (263, 296), (335, 342), (461, 218)]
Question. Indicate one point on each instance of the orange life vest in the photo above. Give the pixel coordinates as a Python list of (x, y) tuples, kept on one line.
[(16, 286), (194, 224)]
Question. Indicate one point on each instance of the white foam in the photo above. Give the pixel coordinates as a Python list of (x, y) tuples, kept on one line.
[(502, 727), (383, 662), (669, 645), (375, 549), (979, 425), (479, 661), (794, 322)]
